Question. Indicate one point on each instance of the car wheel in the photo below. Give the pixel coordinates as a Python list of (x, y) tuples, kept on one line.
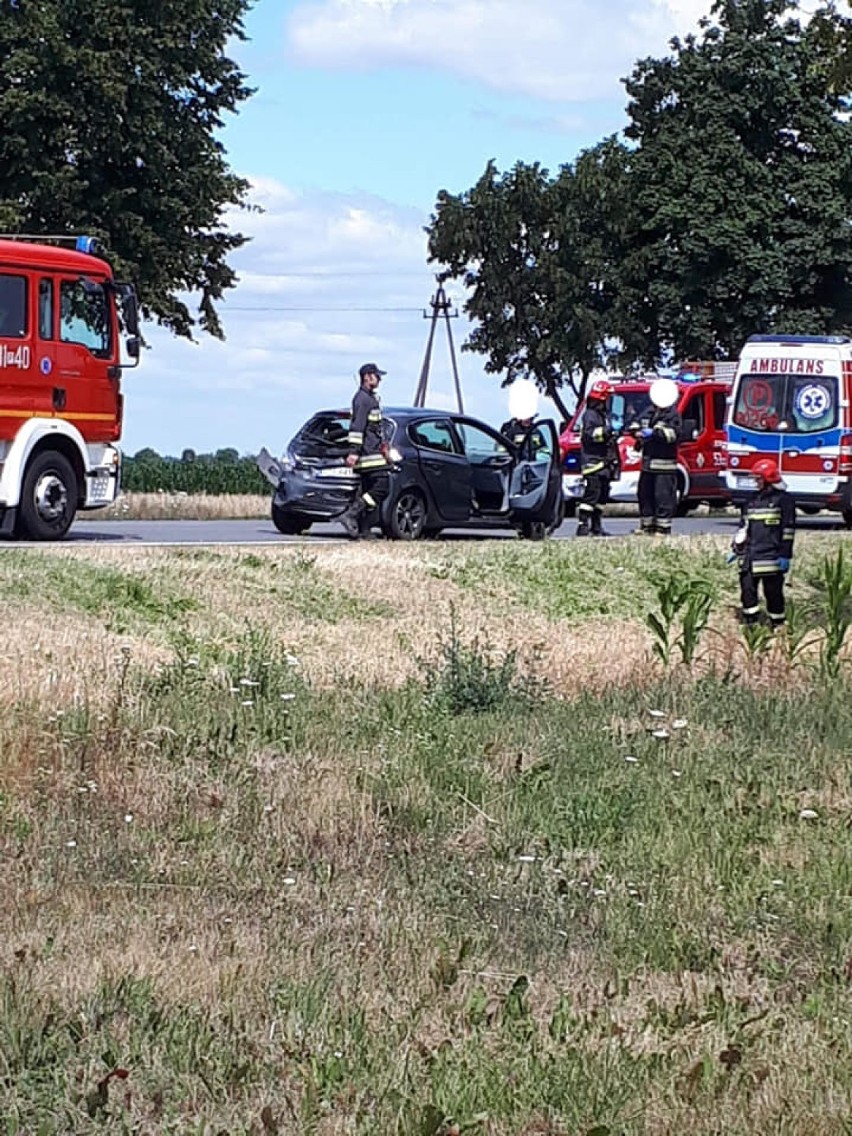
[(290, 524), (407, 518), (48, 497)]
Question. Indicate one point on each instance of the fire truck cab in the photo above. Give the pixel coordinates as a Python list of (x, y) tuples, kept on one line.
[(703, 392), (62, 315)]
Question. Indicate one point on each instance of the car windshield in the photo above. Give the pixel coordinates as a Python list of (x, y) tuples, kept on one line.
[(625, 408), (801, 404)]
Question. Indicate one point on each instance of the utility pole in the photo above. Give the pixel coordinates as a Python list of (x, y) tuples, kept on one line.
[(441, 306)]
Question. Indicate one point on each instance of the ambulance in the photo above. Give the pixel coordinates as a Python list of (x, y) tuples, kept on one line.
[(703, 390), (791, 401)]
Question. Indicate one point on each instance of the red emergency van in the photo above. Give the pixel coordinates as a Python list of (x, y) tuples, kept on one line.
[(62, 315), (704, 390)]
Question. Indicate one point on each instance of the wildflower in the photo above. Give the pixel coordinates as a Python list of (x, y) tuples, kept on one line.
[(677, 773), (527, 859), (657, 713), (128, 818), (247, 702), (662, 734), (70, 843), (287, 697), (288, 881), (249, 682), (631, 760), (679, 724), (267, 808), (808, 814), (291, 660)]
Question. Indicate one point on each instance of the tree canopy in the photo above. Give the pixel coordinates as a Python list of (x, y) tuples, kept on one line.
[(723, 212), (111, 111)]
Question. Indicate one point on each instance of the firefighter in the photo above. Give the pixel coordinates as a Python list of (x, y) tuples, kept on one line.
[(598, 458), (657, 437), (368, 455), (764, 543)]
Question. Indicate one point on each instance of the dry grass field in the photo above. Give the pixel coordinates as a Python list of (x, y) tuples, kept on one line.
[(421, 840)]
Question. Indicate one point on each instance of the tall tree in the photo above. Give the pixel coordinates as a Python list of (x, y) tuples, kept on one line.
[(110, 114), (536, 254), (742, 182)]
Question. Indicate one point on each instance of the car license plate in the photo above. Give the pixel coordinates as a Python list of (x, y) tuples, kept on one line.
[(745, 481), (342, 471)]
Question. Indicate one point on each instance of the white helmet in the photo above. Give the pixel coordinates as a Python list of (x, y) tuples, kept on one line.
[(664, 393), (523, 399)]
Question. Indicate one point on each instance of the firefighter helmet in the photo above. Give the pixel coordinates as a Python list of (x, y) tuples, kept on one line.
[(664, 393), (767, 468), (600, 389)]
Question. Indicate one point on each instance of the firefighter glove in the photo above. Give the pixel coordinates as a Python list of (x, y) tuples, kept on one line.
[(783, 564), (646, 432)]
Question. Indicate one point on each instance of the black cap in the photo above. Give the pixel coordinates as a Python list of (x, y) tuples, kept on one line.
[(371, 369)]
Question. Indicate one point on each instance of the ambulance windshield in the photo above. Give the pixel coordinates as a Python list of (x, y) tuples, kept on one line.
[(798, 404)]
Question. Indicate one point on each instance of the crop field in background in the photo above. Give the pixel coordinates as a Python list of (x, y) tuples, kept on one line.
[(422, 840), (179, 506)]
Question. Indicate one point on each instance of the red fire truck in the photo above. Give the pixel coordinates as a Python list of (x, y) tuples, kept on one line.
[(704, 389), (62, 316)]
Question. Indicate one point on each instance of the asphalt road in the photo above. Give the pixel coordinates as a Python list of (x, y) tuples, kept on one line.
[(136, 534)]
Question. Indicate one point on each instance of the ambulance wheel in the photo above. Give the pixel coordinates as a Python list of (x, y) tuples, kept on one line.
[(48, 497), (847, 518), (290, 524)]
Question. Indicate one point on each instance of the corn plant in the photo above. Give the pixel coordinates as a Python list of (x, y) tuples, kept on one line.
[(835, 583), (684, 611)]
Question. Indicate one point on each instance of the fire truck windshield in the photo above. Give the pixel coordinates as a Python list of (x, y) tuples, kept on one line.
[(84, 316)]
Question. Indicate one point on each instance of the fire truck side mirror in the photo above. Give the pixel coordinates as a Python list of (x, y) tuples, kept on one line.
[(133, 346)]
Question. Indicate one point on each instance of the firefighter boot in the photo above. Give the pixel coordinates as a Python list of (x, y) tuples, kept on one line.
[(584, 528), (365, 523), (597, 525), (351, 518)]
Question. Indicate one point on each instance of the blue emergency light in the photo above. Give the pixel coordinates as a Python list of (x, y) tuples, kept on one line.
[(86, 244), (796, 340)]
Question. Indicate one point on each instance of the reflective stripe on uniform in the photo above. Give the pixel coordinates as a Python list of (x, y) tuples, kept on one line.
[(662, 465), (769, 517), (599, 434), (354, 438), (764, 567), (369, 501), (751, 610), (667, 432), (776, 617), (371, 461), (788, 534), (374, 416), (594, 467)]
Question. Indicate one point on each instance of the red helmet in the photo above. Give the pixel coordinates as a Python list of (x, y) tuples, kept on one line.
[(768, 469), (600, 389)]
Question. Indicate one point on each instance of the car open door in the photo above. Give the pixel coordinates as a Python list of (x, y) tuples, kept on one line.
[(535, 489)]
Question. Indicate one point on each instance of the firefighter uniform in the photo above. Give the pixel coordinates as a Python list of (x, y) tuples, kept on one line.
[(764, 546), (367, 443), (658, 479), (596, 464)]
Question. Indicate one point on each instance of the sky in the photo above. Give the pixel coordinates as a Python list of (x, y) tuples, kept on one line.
[(364, 111)]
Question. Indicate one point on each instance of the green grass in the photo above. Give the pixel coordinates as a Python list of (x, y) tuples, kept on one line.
[(461, 904)]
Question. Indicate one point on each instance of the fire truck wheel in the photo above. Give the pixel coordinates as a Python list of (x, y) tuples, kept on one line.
[(48, 497)]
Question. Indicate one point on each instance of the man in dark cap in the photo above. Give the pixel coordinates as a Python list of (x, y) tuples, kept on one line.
[(368, 455)]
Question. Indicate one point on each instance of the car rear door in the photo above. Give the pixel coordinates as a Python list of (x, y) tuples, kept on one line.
[(443, 466), (535, 488)]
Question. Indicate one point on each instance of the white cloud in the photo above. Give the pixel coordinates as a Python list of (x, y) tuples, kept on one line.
[(551, 49), (561, 50), (329, 281)]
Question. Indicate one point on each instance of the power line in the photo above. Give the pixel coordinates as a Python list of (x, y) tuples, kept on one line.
[(272, 308)]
